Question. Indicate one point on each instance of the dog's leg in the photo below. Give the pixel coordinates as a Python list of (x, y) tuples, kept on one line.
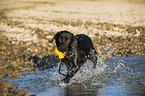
[(59, 68), (93, 54), (70, 75), (72, 72), (93, 57)]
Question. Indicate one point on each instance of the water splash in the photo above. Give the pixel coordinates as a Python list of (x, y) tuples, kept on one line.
[(87, 72), (120, 73)]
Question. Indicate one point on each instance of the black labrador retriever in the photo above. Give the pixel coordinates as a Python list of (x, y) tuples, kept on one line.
[(76, 49)]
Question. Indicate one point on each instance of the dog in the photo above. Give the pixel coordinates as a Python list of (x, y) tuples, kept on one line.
[(77, 49)]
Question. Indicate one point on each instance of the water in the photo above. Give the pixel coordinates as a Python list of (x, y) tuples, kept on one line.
[(119, 76)]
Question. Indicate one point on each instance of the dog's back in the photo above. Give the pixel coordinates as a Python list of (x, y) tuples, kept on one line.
[(85, 44)]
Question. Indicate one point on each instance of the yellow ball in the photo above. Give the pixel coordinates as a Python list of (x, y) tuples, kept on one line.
[(58, 53)]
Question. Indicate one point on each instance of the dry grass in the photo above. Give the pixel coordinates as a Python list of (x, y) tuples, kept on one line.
[(21, 18)]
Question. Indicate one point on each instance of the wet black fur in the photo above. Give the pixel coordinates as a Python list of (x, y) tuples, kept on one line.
[(78, 49)]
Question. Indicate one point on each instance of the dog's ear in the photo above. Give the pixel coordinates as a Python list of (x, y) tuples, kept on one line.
[(54, 37)]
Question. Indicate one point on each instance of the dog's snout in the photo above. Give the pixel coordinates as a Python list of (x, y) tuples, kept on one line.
[(62, 48)]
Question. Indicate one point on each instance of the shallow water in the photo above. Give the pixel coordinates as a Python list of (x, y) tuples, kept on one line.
[(119, 76)]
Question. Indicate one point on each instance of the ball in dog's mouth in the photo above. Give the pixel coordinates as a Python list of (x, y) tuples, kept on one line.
[(60, 54)]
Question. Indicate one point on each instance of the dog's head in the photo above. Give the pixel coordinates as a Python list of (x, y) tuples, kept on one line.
[(64, 40)]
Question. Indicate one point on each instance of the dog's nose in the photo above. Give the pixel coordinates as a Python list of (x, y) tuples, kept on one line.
[(62, 49)]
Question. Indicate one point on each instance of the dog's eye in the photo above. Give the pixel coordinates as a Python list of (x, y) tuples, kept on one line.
[(67, 39)]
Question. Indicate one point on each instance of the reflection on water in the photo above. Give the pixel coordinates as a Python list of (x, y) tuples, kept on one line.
[(118, 76)]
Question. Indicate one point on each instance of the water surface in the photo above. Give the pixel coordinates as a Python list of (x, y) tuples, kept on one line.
[(119, 76)]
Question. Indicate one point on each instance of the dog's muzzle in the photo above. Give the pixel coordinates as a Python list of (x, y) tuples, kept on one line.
[(62, 48)]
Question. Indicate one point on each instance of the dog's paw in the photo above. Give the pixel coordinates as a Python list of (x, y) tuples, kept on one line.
[(94, 66), (66, 79), (62, 84)]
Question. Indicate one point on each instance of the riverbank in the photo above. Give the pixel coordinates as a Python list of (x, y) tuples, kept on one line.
[(27, 26)]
